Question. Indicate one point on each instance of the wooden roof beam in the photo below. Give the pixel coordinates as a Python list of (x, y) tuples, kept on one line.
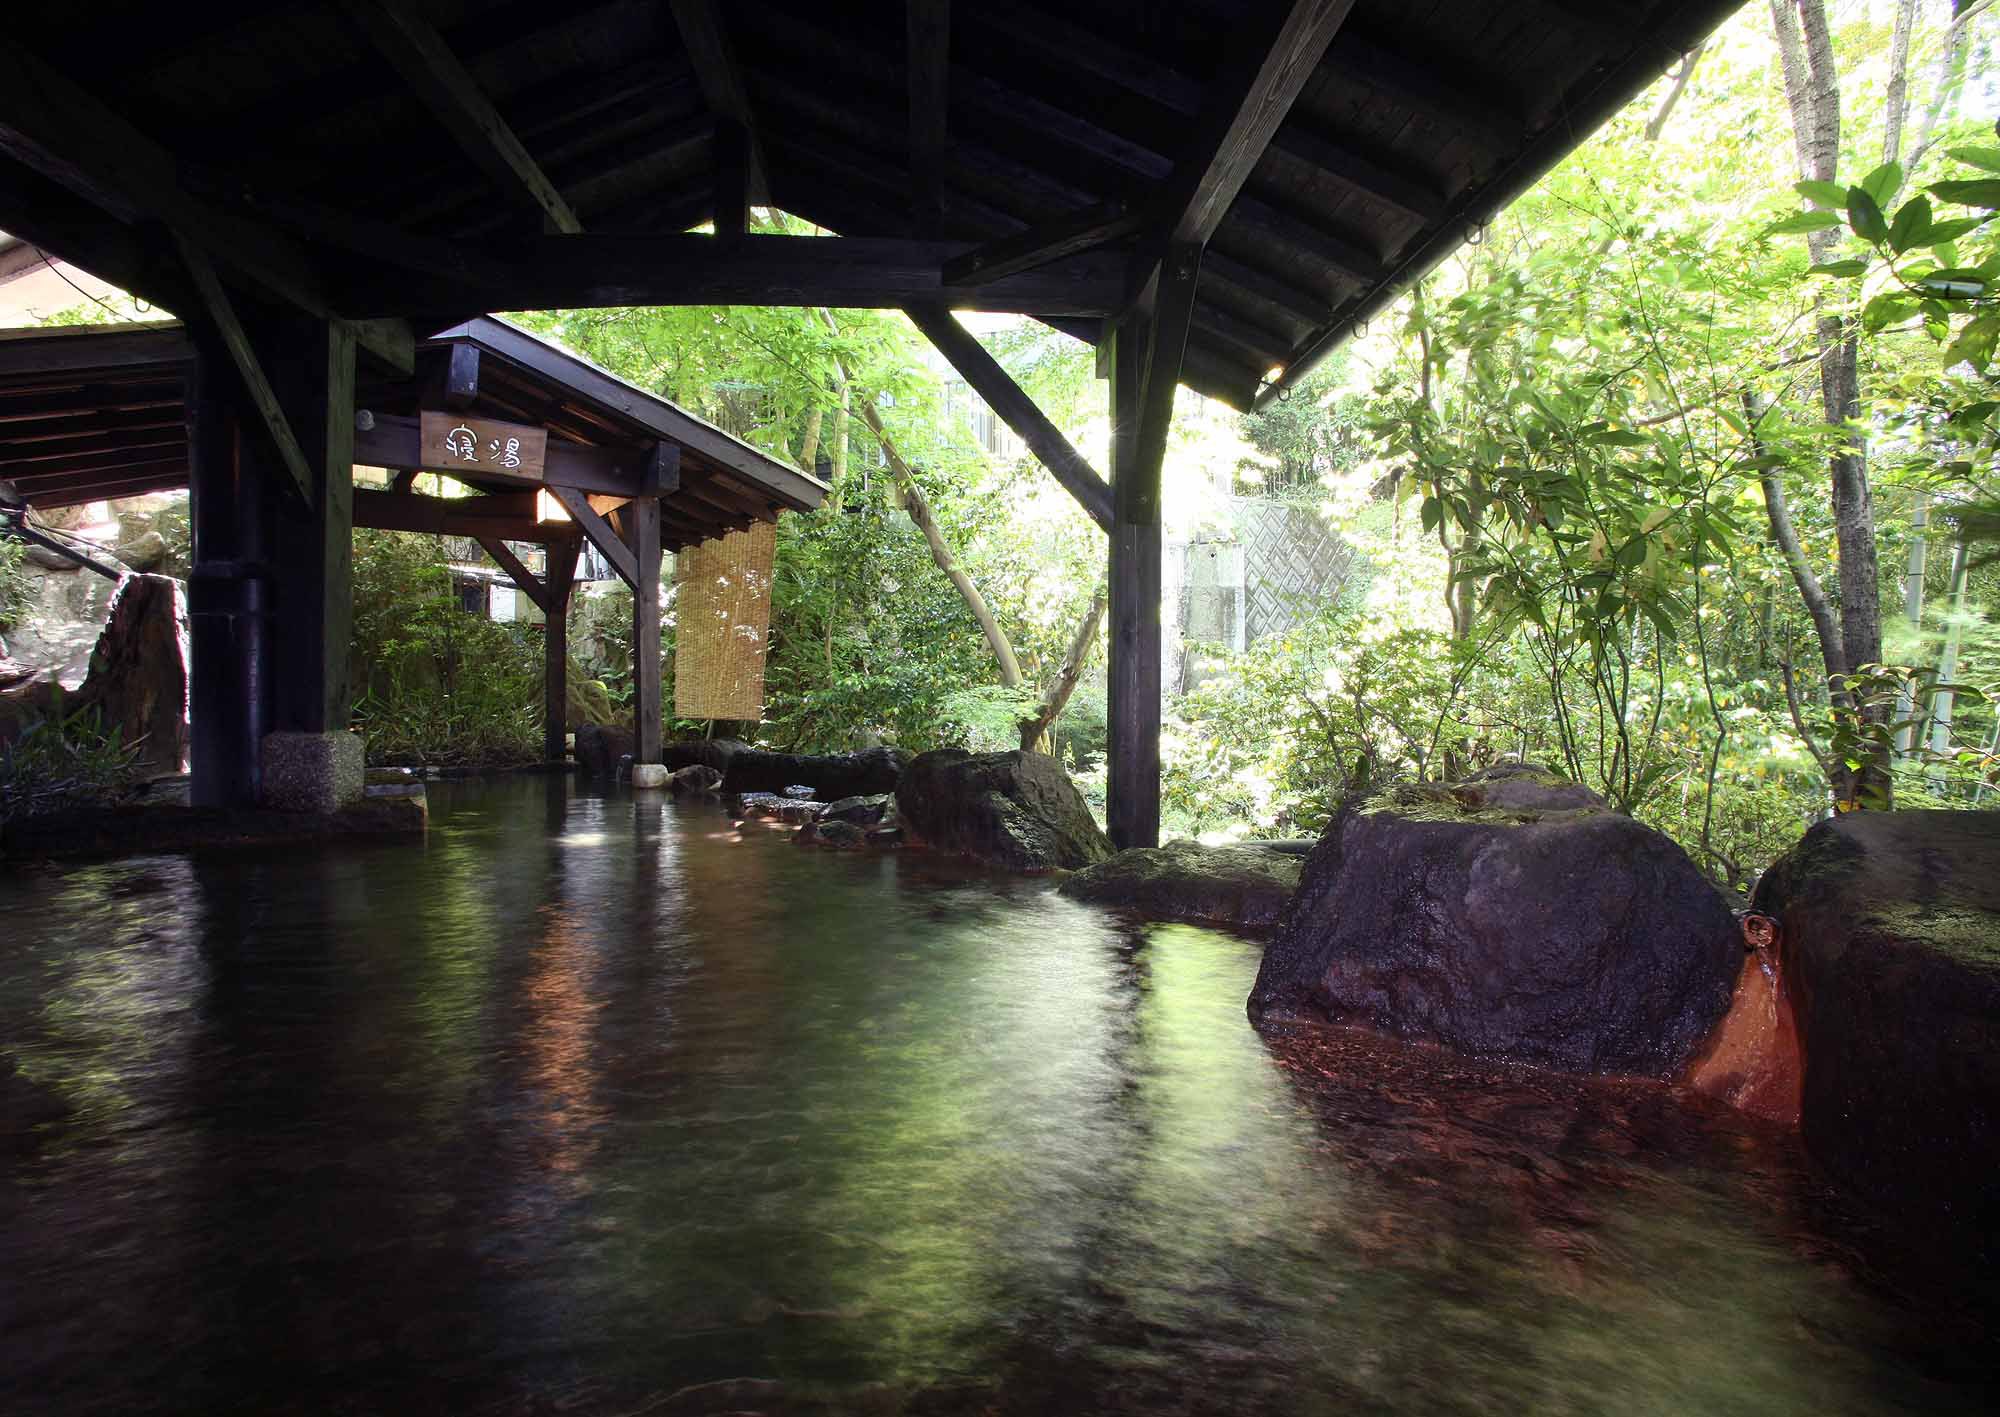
[(507, 519), (602, 535), (1070, 47), (64, 134), (928, 26), (707, 42), (432, 72), (524, 579), (1038, 245), (1206, 185), (1008, 399), (600, 269)]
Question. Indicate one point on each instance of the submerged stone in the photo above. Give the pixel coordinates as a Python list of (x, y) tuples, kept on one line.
[(768, 806), (1890, 942), (1511, 915), (1245, 885), (1018, 811)]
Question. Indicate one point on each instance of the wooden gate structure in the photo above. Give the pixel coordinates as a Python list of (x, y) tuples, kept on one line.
[(1213, 192)]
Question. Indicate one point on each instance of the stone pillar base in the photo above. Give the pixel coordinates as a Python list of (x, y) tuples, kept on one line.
[(645, 775), (312, 772)]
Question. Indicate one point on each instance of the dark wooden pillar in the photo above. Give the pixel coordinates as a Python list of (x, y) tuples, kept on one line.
[(1134, 689), (228, 685), (270, 596), (642, 518), (558, 580), (311, 364)]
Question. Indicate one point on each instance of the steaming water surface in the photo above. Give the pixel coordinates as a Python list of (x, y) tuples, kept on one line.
[(587, 1105)]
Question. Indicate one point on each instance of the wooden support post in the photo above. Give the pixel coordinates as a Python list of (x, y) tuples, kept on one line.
[(644, 519), (313, 546), (228, 680), (1134, 689), (558, 581)]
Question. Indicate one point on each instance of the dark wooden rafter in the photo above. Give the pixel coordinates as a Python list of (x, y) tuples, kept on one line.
[(221, 312), (1007, 399), (1072, 48), (706, 40), (501, 516), (1205, 186), (1037, 246), (928, 28), (571, 272), (434, 74), (66, 135)]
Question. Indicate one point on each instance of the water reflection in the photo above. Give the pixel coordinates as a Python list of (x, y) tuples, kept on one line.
[(588, 1105)]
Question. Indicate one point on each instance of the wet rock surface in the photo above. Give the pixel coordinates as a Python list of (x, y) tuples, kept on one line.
[(1890, 938), (1246, 885), (695, 780), (1018, 811), (770, 807), (830, 777), (1511, 915), (138, 678), (600, 747)]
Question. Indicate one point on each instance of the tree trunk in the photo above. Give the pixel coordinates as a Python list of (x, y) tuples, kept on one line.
[(1913, 612), (1812, 89), (809, 451), (1950, 75), (1896, 100), (1658, 123), (1941, 705), (1057, 696)]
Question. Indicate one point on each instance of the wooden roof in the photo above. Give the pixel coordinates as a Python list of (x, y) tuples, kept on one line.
[(340, 126), (100, 411)]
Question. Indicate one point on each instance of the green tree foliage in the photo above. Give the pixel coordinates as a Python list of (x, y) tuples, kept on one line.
[(433, 683)]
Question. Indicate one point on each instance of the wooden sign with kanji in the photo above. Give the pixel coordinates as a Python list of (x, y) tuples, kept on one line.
[(455, 442)]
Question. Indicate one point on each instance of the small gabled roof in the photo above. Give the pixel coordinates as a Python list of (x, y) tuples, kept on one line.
[(90, 412)]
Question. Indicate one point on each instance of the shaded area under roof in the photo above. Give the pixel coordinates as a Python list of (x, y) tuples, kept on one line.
[(1422, 118)]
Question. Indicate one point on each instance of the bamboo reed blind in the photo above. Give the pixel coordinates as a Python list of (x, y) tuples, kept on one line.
[(722, 624)]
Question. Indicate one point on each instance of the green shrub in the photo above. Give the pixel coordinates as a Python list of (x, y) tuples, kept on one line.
[(62, 760), (434, 684)]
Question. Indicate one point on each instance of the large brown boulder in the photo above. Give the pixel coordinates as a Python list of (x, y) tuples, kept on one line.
[(1512, 915), (1018, 811), (137, 684), (1889, 930), (601, 747), (1246, 885)]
